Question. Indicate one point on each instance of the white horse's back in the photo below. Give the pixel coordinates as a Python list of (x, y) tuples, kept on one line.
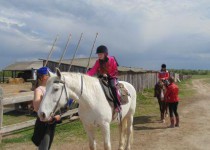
[(131, 105)]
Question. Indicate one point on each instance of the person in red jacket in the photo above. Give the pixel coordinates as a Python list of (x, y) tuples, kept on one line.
[(172, 99), (163, 75), (106, 67)]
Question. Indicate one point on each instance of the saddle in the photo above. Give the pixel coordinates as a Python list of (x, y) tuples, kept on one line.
[(108, 92)]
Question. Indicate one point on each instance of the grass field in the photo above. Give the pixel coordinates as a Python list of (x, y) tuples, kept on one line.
[(146, 106)]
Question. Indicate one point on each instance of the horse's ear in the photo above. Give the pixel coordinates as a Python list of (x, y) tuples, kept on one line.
[(58, 72), (51, 74)]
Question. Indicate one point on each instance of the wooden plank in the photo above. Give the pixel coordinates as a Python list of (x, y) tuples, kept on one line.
[(1, 111), (1, 106), (22, 97), (70, 112), (18, 126)]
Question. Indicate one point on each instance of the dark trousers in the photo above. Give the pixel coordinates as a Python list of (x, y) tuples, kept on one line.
[(43, 134), (173, 109), (113, 83)]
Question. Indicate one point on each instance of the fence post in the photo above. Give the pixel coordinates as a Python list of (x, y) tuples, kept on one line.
[(1, 112)]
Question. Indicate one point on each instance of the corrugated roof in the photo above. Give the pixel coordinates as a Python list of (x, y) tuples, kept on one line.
[(81, 62), (24, 65), (130, 69)]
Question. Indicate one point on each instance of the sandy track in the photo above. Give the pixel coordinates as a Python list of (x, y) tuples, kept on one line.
[(194, 130)]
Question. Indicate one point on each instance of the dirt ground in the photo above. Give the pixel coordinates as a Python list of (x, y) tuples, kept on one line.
[(14, 89), (193, 133)]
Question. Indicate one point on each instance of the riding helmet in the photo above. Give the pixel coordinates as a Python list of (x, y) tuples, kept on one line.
[(163, 66), (102, 49)]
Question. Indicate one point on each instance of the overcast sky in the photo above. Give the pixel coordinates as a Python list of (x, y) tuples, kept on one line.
[(139, 33)]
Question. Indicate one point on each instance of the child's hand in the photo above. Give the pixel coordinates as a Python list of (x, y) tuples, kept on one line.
[(57, 117)]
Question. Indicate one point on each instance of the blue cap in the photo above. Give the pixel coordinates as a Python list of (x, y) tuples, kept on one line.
[(43, 70)]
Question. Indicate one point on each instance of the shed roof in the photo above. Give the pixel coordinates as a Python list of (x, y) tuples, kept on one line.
[(24, 65), (81, 62)]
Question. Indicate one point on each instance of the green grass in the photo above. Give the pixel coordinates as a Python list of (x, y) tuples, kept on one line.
[(14, 117), (200, 76), (185, 88), (147, 105)]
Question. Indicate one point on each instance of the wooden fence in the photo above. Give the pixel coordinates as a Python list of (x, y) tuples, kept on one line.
[(22, 97), (140, 81)]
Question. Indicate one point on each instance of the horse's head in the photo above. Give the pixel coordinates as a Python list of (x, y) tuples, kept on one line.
[(55, 97)]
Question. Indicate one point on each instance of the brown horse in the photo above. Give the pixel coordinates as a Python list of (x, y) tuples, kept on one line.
[(159, 92)]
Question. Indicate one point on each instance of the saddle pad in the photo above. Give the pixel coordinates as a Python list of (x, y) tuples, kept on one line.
[(123, 93), (107, 90), (109, 95)]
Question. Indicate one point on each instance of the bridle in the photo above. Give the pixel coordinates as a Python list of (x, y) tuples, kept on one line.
[(67, 97)]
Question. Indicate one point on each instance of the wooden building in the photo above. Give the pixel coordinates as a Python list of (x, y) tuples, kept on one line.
[(138, 77), (24, 69)]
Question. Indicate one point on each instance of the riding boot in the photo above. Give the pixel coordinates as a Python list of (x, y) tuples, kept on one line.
[(172, 122), (162, 118), (177, 122), (117, 103)]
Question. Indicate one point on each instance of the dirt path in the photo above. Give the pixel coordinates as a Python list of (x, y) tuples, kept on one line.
[(193, 133), (194, 130)]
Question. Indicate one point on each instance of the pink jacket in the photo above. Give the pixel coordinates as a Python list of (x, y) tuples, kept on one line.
[(111, 67)]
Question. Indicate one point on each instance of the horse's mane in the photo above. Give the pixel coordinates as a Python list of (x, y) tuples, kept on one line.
[(74, 74), (87, 79)]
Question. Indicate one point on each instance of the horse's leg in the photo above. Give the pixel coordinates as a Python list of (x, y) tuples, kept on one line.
[(160, 107), (122, 131), (91, 137), (105, 128), (129, 132)]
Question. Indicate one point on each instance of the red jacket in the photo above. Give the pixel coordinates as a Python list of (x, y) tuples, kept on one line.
[(162, 75), (111, 68), (171, 94)]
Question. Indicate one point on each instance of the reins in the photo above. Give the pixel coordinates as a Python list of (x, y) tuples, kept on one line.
[(64, 88)]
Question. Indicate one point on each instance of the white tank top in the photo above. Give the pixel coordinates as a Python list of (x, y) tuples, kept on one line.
[(42, 89)]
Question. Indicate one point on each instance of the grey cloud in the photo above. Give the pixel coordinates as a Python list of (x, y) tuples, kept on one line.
[(139, 33)]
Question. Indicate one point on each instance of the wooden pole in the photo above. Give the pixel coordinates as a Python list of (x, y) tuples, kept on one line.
[(51, 51), (1, 111), (64, 51), (91, 52), (75, 52)]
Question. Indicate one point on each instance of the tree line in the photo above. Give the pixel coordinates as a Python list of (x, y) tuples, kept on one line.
[(190, 72)]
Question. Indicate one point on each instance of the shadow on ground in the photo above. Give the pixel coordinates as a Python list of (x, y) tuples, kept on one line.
[(141, 123)]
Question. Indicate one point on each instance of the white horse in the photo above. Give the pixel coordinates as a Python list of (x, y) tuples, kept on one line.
[(94, 109)]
